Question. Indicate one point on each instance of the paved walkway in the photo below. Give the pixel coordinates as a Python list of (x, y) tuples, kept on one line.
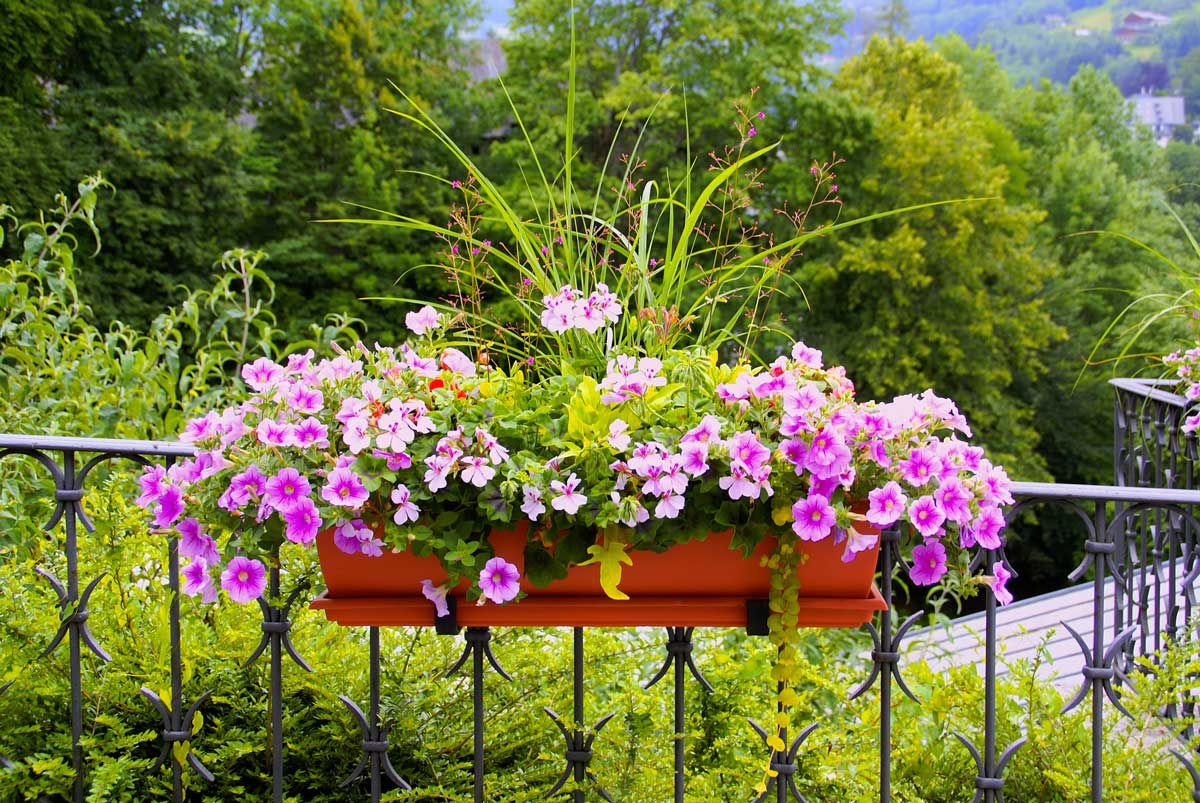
[(1024, 627)]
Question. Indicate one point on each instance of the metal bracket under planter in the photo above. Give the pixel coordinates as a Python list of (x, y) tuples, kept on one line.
[(757, 612), (448, 625), (581, 611)]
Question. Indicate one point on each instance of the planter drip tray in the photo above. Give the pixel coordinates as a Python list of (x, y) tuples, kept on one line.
[(587, 611), (699, 583)]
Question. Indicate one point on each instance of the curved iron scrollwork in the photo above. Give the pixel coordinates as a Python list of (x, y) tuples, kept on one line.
[(578, 740), (375, 746)]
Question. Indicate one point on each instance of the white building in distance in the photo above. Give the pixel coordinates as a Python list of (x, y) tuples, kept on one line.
[(1162, 113)]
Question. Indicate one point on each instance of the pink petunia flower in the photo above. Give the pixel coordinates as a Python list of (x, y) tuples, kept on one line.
[(499, 581), (244, 579), (344, 488), (926, 516), (887, 505), (286, 489), (301, 522), (813, 518)]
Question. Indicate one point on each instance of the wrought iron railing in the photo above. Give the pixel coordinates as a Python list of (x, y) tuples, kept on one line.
[(1113, 548), (1151, 450)]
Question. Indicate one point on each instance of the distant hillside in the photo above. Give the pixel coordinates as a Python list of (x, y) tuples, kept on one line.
[(1035, 39), (1038, 39)]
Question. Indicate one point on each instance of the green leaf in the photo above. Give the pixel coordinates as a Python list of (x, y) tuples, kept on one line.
[(542, 567), (610, 556)]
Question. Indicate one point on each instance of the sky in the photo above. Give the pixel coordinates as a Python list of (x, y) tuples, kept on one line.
[(495, 13)]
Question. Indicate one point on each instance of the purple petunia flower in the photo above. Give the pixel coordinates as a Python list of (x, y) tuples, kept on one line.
[(344, 488), (857, 542), (301, 522), (244, 579), (198, 581), (999, 583), (928, 563), (349, 536), (499, 581), (806, 355), (195, 544), (813, 518), (707, 431), (955, 500), (170, 506), (828, 455), (286, 489), (436, 595), (152, 482), (274, 433), (984, 529), (304, 399), (457, 362), (310, 432)]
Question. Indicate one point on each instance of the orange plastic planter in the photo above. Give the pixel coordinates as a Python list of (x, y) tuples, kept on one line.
[(700, 583)]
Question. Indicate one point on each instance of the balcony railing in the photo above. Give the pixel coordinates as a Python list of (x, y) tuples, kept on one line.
[(1129, 531)]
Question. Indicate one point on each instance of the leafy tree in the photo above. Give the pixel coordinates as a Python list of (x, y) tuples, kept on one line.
[(1187, 76), (681, 66), (947, 298), (234, 123)]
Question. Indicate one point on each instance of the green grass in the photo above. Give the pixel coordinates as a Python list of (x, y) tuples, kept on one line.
[(1098, 19), (1145, 52)]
